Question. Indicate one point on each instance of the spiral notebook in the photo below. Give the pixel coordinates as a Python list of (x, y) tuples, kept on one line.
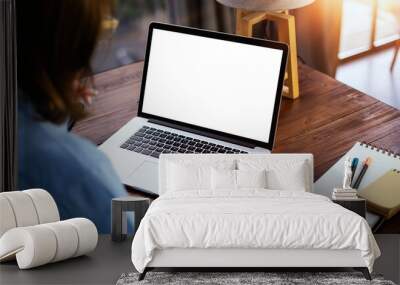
[(382, 162)]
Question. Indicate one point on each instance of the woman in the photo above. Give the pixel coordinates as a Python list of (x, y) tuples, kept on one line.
[(56, 40)]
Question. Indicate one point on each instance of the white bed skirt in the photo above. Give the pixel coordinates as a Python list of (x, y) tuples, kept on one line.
[(193, 257)]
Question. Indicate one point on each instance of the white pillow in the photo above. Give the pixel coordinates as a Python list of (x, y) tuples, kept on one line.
[(237, 179), (282, 174), (181, 177), (223, 179), (251, 178), (295, 181), (186, 176)]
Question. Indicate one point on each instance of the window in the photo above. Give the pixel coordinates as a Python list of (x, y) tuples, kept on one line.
[(127, 43), (367, 25)]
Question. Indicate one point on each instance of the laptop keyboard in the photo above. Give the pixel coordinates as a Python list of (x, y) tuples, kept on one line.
[(153, 142)]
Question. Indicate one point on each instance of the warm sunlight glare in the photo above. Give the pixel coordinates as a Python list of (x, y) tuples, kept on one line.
[(366, 23)]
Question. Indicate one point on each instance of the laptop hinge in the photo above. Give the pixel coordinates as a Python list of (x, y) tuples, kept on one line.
[(202, 133)]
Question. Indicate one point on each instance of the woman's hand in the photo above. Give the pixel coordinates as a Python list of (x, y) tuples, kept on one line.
[(83, 92)]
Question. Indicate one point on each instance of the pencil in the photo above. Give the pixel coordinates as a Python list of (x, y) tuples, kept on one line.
[(366, 163)]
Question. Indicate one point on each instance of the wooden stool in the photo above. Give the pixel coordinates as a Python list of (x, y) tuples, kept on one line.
[(249, 13)]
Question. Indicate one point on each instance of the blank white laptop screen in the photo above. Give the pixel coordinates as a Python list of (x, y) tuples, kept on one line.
[(220, 85)]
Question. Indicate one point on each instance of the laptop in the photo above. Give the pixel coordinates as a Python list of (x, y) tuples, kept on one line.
[(201, 92)]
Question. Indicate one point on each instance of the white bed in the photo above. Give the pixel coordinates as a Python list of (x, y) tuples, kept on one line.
[(198, 223)]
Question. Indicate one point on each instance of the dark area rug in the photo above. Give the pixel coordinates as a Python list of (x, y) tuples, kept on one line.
[(273, 278)]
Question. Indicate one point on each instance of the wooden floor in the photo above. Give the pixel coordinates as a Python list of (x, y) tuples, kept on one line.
[(371, 74), (327, 119)]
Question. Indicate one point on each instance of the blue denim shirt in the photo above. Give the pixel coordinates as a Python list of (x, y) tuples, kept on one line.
[(80, 178)]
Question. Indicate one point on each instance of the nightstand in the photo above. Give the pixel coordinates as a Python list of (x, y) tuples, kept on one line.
[(358, 206), (120, 206)]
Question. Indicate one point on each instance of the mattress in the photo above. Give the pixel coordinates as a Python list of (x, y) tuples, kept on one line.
[(251, 219)]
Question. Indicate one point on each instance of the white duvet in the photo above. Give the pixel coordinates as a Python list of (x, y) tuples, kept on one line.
[(250, 219)]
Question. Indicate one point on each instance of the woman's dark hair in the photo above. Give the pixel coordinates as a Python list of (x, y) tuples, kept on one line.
[(55, 42)]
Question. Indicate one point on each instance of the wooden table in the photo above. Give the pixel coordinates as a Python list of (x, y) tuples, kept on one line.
[(327, 119)]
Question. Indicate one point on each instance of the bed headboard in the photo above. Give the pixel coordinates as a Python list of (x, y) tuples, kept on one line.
[(210, 159)]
